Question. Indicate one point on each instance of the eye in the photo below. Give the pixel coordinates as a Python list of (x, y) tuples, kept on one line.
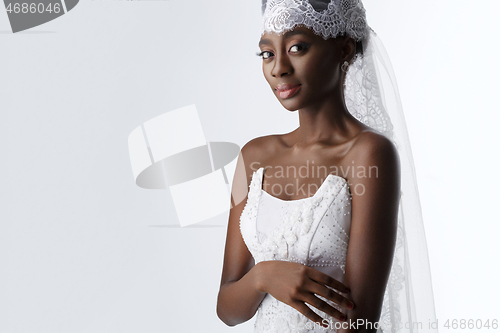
[(264, 54), (294, 49), (298, 47)]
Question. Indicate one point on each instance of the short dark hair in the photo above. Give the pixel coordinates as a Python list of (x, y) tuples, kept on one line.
[(359, 47)]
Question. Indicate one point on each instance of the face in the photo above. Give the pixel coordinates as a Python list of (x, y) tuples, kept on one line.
[(302, 68)]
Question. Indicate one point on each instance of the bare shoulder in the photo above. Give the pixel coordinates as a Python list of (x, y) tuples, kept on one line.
[(256, 152), (253, 155), (373, 150), (372, 146)]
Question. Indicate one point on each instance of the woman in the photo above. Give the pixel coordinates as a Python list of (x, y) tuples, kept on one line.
[(322, 256)]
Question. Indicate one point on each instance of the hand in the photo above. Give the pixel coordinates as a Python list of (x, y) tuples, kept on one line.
[(296, 284)]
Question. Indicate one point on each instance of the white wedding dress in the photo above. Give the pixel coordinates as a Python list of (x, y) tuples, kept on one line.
[(312, 231)]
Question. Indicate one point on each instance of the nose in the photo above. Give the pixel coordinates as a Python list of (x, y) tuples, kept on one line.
[(282, 65)]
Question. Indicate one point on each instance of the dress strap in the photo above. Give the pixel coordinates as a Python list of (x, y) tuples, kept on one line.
[(258, 178)]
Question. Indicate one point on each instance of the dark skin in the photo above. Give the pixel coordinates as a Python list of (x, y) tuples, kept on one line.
[(328, 136)]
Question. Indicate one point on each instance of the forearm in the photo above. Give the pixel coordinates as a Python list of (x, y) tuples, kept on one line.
[(360, 320), (238, 301)]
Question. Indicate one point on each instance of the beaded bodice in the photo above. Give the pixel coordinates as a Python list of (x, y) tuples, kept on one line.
[(313, 231)]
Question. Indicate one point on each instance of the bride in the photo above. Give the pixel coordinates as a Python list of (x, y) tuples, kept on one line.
[(315, 229)]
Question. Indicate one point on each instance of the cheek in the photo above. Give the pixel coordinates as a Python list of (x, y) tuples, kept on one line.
[(329, 69), (266, 72), (321, 73), (320, 67)]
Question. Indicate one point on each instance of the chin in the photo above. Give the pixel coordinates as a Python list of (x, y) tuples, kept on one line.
[(291, 104)]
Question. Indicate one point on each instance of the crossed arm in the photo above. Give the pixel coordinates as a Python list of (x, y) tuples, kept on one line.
[(375, 203)]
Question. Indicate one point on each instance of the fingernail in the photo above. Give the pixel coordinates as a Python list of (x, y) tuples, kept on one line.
[(350, 305), (343, 317)]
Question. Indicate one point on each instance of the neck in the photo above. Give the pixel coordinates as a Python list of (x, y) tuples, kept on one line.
[(326, 121)]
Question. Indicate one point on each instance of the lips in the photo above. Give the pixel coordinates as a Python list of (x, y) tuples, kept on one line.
[(287, 90)]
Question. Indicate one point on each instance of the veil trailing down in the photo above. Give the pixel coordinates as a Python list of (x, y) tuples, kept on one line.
[(371, 95)]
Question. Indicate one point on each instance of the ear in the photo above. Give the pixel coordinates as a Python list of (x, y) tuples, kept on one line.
[(348, 49)]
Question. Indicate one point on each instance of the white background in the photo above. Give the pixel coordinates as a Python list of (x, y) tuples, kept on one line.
[(81, 246)]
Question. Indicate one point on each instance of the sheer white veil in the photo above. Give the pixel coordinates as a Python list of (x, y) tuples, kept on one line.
[(371, 95)]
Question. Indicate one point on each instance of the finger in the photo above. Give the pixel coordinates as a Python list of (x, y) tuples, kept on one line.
[(326, 292), (308, 312), (323, 306), (327, 280)]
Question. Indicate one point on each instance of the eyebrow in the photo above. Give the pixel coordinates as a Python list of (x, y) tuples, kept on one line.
[(285, 36)]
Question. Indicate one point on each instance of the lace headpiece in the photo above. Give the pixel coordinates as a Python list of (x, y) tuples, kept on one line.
[(327, 19)]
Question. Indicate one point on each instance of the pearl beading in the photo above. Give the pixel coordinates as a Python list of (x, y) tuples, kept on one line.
[(312, 231)]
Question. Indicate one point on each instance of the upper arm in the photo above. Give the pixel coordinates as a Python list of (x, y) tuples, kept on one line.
[(237, 258), (375, 202)]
